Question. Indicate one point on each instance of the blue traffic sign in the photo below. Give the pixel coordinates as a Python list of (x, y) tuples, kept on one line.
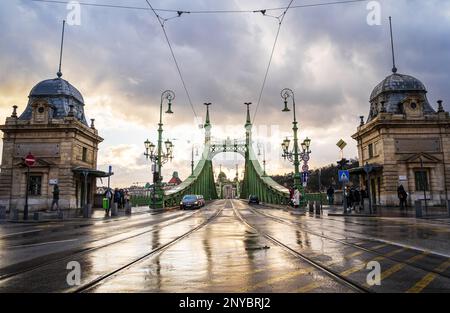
[(344, 176)]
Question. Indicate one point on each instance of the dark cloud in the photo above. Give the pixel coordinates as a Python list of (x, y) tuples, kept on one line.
[(328, 55)]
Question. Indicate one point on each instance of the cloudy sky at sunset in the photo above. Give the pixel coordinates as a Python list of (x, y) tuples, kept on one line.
[(120, 62)]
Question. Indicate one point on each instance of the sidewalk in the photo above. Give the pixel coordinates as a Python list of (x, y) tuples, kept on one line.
[(76, 215), (432, 212)]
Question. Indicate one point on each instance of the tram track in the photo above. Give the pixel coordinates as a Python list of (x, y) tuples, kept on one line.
[(82, 251), (330, 272), (300, 226), (91, 284)]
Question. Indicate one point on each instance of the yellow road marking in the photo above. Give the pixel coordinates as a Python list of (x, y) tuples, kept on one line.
[(363, 265), (428, 278), (308, 287), (278, 279), (379, 246)]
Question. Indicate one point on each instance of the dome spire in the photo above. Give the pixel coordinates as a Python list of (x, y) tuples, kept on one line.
[(59, 74), (394, 68)]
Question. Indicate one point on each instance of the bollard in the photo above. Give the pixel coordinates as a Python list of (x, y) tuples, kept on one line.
[(317, 205), (418, 207), (311, 207), (2, 212), (448, 208), (114, 209)]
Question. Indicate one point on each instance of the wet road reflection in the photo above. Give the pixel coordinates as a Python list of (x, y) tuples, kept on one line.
[(214, 250), (224, 256)]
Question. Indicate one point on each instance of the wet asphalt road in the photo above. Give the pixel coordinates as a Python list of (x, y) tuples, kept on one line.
[(227, 247)]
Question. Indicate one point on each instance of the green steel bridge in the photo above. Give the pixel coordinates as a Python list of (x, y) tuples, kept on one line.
[(201, 181), (255, 182)]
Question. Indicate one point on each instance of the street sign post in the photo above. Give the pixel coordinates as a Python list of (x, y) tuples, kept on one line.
[(344, 177), (30, 161), (341, 144)]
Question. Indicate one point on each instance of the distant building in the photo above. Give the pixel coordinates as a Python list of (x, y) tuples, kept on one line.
[(175, 180), (54, 129), (406, 141)]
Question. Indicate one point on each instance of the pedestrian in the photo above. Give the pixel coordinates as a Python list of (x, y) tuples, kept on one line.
[(55, 198), (127, 202), (357, 199), (402, 197), (122, 198), (291, 196), (296, 198), (109, 196), (116, 200), (348, 198), (330, 195)]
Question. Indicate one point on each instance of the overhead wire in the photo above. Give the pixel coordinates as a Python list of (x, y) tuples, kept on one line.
[(84, 3), (280, 22), (161, 22)]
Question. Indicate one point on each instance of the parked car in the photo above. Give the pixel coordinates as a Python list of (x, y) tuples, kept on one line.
[(253, 199), (201, 200), (190, 202)]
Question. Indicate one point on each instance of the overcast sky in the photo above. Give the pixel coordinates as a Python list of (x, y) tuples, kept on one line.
[(120, 62)]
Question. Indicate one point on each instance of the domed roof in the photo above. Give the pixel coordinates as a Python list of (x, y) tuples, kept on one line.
[(398, 83), (56, 87), (60, 95), (393, 91)]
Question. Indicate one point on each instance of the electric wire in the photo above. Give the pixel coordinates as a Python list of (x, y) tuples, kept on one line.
[(84, 3), (161, 22), (280, 22)]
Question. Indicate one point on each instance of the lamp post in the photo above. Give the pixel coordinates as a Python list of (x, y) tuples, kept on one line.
[(293, 156), (159, 158)]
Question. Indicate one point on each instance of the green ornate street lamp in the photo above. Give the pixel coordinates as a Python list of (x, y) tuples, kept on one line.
[(293, 156), (159, 158)]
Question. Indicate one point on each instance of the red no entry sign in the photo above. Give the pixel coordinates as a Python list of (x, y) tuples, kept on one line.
[(30, 160)]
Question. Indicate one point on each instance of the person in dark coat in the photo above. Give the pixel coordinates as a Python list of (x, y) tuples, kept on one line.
[(55, 198), (122, 199), (357, 199), (330, 194), (402, 196)]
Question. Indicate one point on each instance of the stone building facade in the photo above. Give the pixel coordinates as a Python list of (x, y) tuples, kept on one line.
[(406, 142), (54, 129)]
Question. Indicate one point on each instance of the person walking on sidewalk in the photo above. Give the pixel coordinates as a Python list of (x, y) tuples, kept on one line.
[(109, 196), (55, 198), (330, 194), (402, 197)]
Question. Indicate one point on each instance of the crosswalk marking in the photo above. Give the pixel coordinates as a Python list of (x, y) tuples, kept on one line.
[(428, 278)]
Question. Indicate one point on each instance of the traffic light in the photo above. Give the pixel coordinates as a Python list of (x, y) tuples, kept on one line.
[(342, 163)]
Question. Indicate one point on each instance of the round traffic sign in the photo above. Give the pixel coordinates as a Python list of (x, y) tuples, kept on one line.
[(305, 168), (30, 160), (306, 158)]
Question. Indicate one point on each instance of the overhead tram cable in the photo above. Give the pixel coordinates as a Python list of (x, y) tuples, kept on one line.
[(84, 3), (162, 22)]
